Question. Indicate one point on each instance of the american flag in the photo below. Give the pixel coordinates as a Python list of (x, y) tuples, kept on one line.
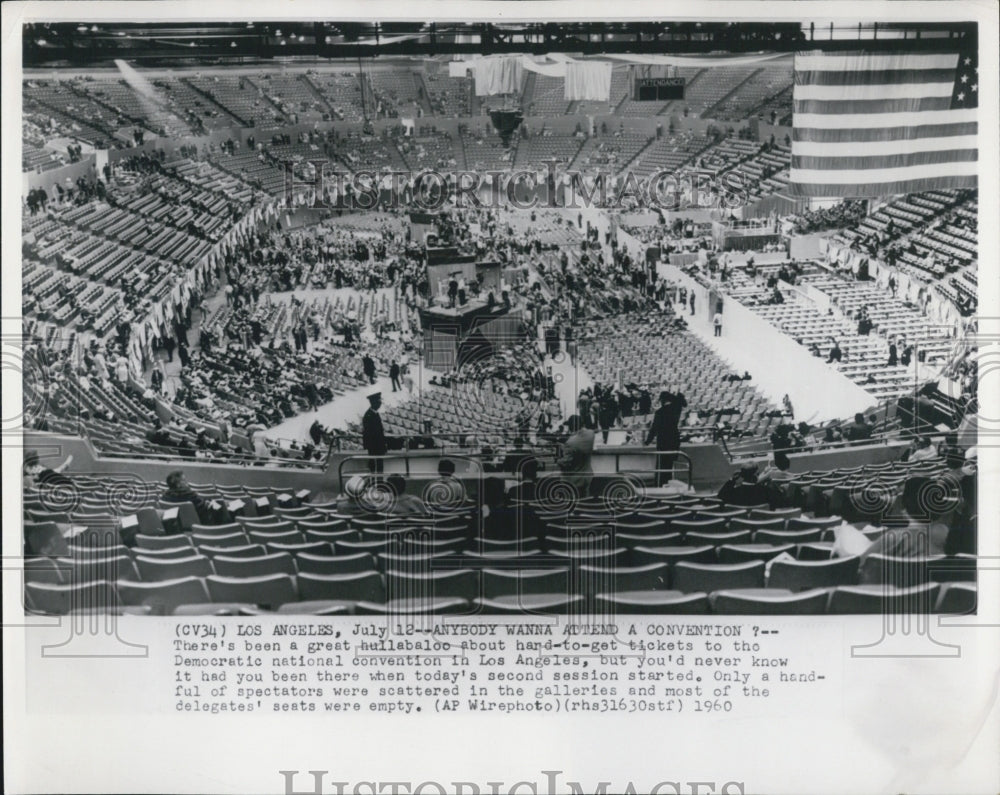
[(867, 125)]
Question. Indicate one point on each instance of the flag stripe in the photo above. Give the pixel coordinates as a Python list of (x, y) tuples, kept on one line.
[(863, 135), (871, 163), (836, 122), (879, 77), (869, 190), (851, 149), (875, 92), (856, 62), (866, 124), (851, 176), (871, 106)]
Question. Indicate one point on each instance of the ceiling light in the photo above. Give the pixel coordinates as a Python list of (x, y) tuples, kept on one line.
[(278, 32), (232, 44)]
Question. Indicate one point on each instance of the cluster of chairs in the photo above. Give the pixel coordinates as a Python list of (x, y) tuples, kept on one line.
[(678, 555), (122, 98), (762, 85), (621, 85), (610, 152), (712, 86), (636, 350), (669, 153), (432, 149), (398, 91), (252, 168), (293, 94), (194, 106), (341, 91), (73, 115), (242, 98), (448, 96), (546, 146)]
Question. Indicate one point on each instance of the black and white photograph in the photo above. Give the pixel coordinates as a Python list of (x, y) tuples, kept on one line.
[(474, 350)]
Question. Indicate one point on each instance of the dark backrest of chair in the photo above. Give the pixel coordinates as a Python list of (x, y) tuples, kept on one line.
[(366, 586), (512, 582), (707, 577), (268, 591), (277, 563), (164, 597), (337, 564), (798, 575), (152, 569)]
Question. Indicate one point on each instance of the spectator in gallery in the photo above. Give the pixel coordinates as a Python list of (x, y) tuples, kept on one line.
[(665, 432), (394, 377), (835, 354), (743, 488), (893, 355), (526, 490), (368, 367), (446, 492), (179, 490), (353, 501), (717, 322), (692, 302), (403, 504), (37, 476), (925, 451), (373, 432), (928, 507), (859, 430), (575, 459)]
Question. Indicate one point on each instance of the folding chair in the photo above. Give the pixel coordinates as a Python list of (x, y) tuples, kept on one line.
[(707, 577), (164, 597), (262, 566), (152, 569), (769, 601)]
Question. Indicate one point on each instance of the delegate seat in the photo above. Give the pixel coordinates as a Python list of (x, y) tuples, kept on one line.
[(708, 577), (769, 601)]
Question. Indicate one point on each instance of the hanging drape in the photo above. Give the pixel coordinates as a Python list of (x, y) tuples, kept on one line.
[(588, 80), (498, 74)]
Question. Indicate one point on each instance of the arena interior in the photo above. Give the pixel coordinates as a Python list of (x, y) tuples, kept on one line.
[(744, 381)]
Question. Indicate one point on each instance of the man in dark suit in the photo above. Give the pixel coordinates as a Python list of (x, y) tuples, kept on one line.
[(368, 366), (666, 432), (394, 375), (373, 432)]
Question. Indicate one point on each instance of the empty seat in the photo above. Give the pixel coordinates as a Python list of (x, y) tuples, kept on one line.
[(277, 563), (216, 529), (442, 605), (285, 537), (532, 604), (143, 541), (805, 523), (885, 599), (229, 540), (152, 569), (651, 602), (702, 526), (178, 517), (757, 524), (719, 539), (777, 513), (769, 601), (312, 547), (611, 579), (104, 567), (787, 536), (149, 521), (332, 536), (47, 570), (166, 596), (798, 575), (353, 587), (738, 553), (244, 551), (459, 583), (651, 540), (670, 554), (269, 591), (957, 598), (62, 598), (710, 577), (821, 550), (902, 572), (335, 564), (500, 582)]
